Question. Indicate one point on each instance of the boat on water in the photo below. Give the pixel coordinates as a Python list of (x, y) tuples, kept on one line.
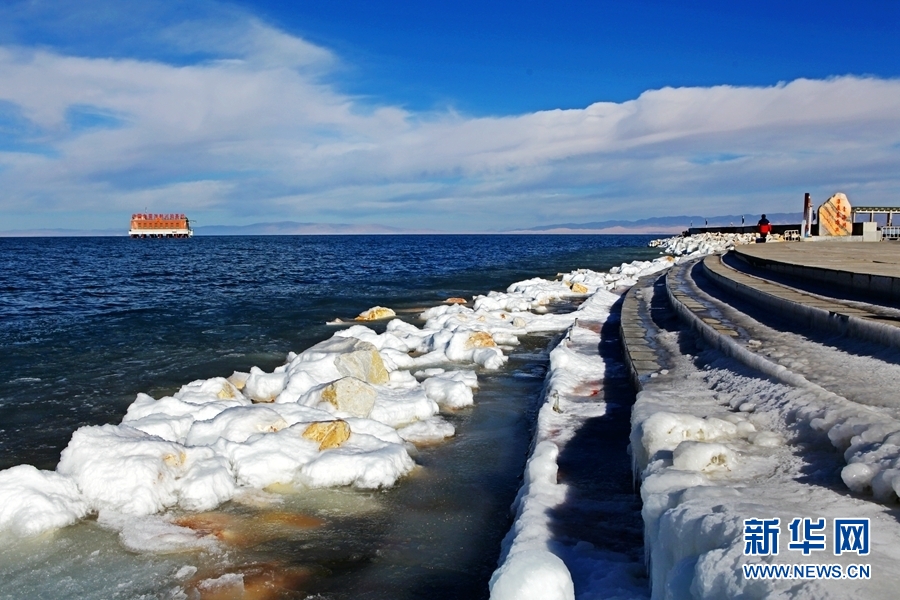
[(154, 225)]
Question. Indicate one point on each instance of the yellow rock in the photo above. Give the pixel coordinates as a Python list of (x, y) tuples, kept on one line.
[(455, 300), (228, 392), (238, 380), (175, 460), (267, 581), (579, 288), (480, 339), (329, 434), (376, 312), (350, 395), (288, 519), (364, 364)]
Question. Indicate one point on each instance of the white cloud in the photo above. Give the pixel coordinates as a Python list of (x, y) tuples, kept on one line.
[(260, 135)]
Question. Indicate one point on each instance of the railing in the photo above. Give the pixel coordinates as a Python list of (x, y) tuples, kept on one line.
[(890, 233)]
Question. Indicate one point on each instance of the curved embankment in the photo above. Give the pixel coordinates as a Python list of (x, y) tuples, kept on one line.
[(743, 425)]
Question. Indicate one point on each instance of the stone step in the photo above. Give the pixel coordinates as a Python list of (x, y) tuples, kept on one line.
[(645, 312), (864, 321)]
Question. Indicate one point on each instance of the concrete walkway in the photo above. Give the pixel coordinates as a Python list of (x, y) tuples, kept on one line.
[(872, 268)]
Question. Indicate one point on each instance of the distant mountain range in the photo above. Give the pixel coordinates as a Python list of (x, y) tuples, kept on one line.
[(279, 228), (294, 228), (662, 225), (659, 224)]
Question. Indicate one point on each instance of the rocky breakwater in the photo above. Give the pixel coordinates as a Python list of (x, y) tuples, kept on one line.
[(702, 244)]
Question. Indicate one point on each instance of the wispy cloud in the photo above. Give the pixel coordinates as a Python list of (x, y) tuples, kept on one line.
[(252, 130)]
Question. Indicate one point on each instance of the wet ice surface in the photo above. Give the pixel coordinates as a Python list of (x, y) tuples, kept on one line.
[(763, 463), (577, 532), (717, 442), (859, 371), (435, 536)]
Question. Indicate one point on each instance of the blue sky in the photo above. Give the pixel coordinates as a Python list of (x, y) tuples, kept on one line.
[(462, 116)]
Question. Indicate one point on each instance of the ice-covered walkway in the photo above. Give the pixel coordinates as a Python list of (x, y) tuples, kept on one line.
[(757, 417), (578, 530)]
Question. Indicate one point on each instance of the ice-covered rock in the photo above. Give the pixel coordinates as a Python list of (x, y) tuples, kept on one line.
[(363, 363), (702, 243), (264, 387), (375, 313), (429, 431), (341, 412), (122, 469), (533, 575), (350, 395), (703, 456), (449, 391), (34, 501), (328, 434)]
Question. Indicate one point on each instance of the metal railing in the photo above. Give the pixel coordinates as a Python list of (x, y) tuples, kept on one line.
[(890, 233)]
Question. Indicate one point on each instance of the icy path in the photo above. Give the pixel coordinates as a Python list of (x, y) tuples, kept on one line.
[(578, 527), (859, 371), (716, 443)]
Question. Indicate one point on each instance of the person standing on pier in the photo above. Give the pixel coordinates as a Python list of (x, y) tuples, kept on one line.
[(764, 228)]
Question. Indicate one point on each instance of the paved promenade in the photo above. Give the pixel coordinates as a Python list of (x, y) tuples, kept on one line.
[(872, 258), (872, 267)]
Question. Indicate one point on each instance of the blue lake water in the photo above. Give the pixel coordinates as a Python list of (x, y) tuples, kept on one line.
[(87, 323)]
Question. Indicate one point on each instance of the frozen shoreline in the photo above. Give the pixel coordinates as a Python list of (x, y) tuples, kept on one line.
[(712, 446), (715, 442), (347, 411)]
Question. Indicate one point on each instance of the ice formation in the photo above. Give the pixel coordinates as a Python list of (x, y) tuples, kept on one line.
[(711, 447), (216, 438), (702, 243)]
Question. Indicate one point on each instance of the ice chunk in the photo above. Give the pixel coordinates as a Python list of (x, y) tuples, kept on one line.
[(264, 387), (236, 425), (428, 431), (448, 392), (703, 456), (207, 482), (122, 469), (273, 458), (34, 501), (532, 575), (664, 431), (159, 536), (363, 461), (196, 405), (396, 407), (858, 476)]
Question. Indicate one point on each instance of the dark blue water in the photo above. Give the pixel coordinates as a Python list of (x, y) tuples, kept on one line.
[(87, 323)]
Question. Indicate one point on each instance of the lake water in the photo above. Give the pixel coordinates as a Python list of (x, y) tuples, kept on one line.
[(87, 323)]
